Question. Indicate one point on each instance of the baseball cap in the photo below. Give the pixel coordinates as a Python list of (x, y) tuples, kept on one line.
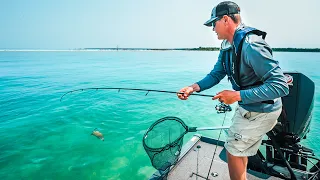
[(223, 8)]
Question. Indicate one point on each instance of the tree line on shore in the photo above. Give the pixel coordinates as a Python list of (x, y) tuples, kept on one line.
[(273, 49), (205, 49)]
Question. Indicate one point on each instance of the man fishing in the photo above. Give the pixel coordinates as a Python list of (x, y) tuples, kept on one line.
[(257, 81)]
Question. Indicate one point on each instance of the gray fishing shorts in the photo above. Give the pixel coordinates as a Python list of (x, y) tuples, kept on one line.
[(245, 134)]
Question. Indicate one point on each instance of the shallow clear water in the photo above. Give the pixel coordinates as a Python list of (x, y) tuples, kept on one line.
[(43, 138)]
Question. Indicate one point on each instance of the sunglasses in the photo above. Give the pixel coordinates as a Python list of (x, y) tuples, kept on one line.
[(214, 22)]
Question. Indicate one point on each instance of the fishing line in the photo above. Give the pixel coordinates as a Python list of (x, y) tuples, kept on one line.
[(215, 150)]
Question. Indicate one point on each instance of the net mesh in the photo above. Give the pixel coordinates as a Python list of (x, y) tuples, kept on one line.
[(163, 141)]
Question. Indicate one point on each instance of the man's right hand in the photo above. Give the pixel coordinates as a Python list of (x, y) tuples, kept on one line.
[(186, 93)]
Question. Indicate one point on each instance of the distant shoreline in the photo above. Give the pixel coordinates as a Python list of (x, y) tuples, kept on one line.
[(156, 49), (273, 49), (204, 49)]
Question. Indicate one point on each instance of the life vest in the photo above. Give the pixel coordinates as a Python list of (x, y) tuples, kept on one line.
[(233, 67)]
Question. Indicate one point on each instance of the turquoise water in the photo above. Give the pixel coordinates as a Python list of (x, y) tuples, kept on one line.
[(43, 138)]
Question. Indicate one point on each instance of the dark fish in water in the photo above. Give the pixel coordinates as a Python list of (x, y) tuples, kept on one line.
[(97, 134)]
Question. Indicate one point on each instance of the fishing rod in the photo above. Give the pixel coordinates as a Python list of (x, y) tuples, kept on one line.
[(131, 89)]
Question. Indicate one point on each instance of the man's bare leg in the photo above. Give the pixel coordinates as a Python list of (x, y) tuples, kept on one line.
[(237, 167)]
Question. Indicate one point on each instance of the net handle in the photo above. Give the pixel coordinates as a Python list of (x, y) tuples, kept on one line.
[(195, 129)]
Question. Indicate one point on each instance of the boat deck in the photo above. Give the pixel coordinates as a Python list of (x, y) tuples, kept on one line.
[(187, 168)]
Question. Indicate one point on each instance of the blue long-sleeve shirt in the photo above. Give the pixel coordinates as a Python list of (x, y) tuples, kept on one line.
[(257, 64)]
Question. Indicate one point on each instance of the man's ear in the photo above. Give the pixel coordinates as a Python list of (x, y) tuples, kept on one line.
[(225, 19)]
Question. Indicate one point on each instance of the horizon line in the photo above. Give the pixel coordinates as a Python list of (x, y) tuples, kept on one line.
[(139, 49)]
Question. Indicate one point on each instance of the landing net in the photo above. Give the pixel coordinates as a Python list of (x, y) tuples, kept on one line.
[(163, 142)]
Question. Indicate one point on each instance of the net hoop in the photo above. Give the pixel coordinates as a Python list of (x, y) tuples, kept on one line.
[(173, 143)]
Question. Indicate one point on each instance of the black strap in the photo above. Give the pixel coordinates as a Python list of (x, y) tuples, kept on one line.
[(236, 58), (268, 102)]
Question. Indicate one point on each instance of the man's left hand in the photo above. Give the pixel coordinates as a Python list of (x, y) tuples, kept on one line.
[(228, 97)]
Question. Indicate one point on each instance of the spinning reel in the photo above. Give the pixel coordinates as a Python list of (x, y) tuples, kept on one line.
[(223, 108)]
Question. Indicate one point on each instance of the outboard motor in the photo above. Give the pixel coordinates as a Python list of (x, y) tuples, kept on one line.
[(297, 105), (282, 147), (294, 121)]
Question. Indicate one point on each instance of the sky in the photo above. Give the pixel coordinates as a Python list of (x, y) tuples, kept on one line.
[(71, 24)]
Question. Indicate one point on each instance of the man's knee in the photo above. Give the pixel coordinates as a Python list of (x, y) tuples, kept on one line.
[(235, 158), (237, 166)]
